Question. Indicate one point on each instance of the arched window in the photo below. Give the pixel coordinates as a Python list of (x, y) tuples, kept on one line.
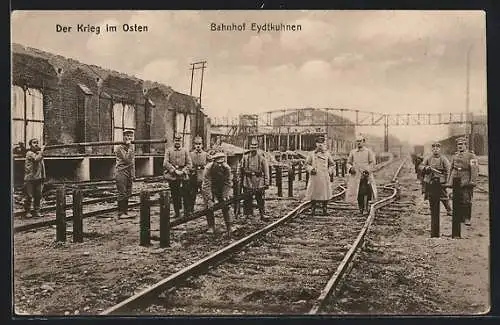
[(183, 128), (123, 119), (27, 115)]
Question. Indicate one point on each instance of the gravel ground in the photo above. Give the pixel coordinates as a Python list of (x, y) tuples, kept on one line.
[(402, 270), (109, 265), (68, 278)]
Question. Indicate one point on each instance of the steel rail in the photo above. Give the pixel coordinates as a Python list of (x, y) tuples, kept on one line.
[(87, 202), (176, 222), (210, 261), (342, 268), (51, 222), (205, 263)]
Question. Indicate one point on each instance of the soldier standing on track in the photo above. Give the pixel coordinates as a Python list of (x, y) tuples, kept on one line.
[(464, 165), (255, 173), (319, 165), (124, 172), (217, 185), (199, 160), (34, 177), (439, 163), (360, 160), (177, 164)]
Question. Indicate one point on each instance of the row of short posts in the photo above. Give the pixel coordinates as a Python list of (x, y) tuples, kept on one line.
[(298, 170), (435, 203), (145, 217)]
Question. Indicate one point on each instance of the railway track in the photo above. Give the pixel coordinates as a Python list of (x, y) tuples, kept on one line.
[(94, 206), (290, 266)]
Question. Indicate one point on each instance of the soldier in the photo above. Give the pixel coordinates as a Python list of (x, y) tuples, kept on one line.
[(217, 185), (177, 164), (255, 174), (319, 165), (436, 165), (464, 165), (124, 172), (199, 160), (361, 160), (34, 177)]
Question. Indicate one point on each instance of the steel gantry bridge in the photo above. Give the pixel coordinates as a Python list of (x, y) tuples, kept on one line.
[(299, 117)]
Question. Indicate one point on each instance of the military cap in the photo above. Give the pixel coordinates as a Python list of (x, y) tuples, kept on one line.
[(218, 155), (436, 144), (461, 140), (125, 132), (320, 139), (359, 137), (177, 137), (254, 143), (198, 140)]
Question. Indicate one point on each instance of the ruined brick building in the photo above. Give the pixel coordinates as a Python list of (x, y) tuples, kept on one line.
[(61, 100)]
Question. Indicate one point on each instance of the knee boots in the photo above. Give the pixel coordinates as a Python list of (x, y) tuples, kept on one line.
[(122, 207)]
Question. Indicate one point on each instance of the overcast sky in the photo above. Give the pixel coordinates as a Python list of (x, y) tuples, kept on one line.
[(381, 61)]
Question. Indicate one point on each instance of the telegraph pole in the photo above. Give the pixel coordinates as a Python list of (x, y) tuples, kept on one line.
[(195, 66), (467, 133)]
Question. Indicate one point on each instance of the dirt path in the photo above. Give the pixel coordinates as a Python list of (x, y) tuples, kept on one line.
[(404, 271)]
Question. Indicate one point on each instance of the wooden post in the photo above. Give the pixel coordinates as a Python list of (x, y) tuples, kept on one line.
[(270, 175), (457, 214), (307, 178), (61, 214), (336, 168), (145, 220), (77, 216), (300, 171), (164, 219), (434, 202), (344, 167), (236, 189), (291, 177), (279, 180)]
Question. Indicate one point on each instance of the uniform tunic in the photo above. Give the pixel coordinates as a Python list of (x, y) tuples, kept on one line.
[(199, 161), (124, 170), (255, 171), (216, 185), (318, 187), (177, 158), (217, 182), (465, 166), (441, 164), (360, 159), (34, 166)]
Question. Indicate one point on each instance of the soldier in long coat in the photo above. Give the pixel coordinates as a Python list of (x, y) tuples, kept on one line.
[(361, 159), (34, 177), (217, 185), (177, 164), (199, 160), (430, 167), (319, 164), (464, 165), (255, 173), (124, 172)]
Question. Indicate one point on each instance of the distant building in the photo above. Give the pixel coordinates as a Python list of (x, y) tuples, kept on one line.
[(479, 131), (340, 132)]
